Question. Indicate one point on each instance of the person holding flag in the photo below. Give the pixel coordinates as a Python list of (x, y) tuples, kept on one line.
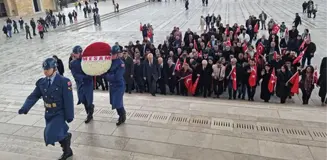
[(252, 85), (204, 71), (265, 75), (185, 82), (306, 83), (218, 76), (232, 76), (322, 81), (282, 87)]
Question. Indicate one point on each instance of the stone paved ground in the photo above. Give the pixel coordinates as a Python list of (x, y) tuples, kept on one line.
[(162, 127)]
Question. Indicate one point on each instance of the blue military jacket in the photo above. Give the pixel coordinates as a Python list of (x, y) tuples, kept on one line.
[(84, 83), (115, 76), (58, 103)]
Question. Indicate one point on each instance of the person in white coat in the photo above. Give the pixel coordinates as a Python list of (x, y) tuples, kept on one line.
[(202, 23), (244, 37)]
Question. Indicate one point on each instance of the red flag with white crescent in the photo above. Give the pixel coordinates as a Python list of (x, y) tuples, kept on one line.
[(193, 88), (188, 82), (275, 55), (244, 47), (299, 58), (272, 81), (256, 28), (233, 77), (253, 76), (294, 80), (227, 31), (178, 65), (275, 29), (260, 48), (315, 77)]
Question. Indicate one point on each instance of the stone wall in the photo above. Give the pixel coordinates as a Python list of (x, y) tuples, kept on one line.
[(48, 4), (24, 7)]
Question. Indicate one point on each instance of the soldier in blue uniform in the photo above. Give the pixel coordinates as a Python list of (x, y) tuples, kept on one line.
[(57, 95), (84, 83), (115, 76)]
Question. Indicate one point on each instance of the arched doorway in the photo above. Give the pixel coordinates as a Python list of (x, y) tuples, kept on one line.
[(3, 11), (37, 5)]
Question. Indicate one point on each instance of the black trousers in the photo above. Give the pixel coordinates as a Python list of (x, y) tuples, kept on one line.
[(33, 28), (183, 89), (152, 85), (251, 91), (283, 99), (41, 34), (16, 30), (139, 84), (218, 87), (305, 96), (231, 91), (171, 84), (28, 34), (162, 86)]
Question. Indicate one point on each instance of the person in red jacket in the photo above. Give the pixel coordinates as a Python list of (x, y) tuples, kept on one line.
[(40, 29)]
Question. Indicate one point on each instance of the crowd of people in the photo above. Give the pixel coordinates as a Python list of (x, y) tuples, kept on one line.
[(51, 20), (225, 58), (310, 9)]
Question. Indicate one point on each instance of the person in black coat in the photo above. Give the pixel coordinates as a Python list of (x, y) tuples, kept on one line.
[(138, 76), (322, 81), (162, 81), (205, 72), (282, 88), (309, 53), (171, 77), (307, 83), (60, 65), (297, 21), (265, 76), (151, 73), (129, 71)]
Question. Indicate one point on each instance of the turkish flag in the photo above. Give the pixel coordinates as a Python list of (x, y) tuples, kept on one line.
[(178, 65), (228, 43), (227, 31), (256, 28), (286, 32), (200, 54), (141, 27), (275, 29), (188, 82), (233, 77), (238, 30), (195, 45), (315, 77), (295, 81), (302, 44), (283, 50), (272, 81), (193, 88), (299, 58), (260, 48), (253, 76), (275, 55), (209, 44), (244, 47)]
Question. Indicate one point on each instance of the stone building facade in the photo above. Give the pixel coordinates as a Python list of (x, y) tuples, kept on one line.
[(25, 7)]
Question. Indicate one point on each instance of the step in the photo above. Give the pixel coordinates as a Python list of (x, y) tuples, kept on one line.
[(107, 16)]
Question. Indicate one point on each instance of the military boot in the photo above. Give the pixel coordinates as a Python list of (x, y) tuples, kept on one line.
[(89, 114), (122, 117), (67, 151)]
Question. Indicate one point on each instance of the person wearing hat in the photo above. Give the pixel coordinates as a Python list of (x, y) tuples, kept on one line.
[(57, 95), (84, 83), (115, 77)]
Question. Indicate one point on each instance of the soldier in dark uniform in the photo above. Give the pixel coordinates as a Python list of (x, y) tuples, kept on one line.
[(57, 95), (84, 83), (115, 76)]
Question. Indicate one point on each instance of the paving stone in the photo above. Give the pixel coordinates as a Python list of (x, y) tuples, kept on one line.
[(318, 153), (28, 131), (284, 151), (190, 138), (149, 147), (141, 132), (6, 116), (97, 127), (9, 128), (28, 119), (101, 141), (195, 153), (234, 144)]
